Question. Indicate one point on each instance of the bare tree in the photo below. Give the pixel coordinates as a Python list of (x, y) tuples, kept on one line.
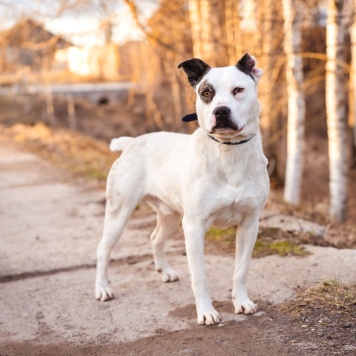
[(168, 42), (353, 81), (293, 14), (106, 14), (203, 46), (232, 31), (336, 100), (207, 35), (268, 37)]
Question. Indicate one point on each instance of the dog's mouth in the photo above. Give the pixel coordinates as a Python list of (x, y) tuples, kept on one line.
[(226, 127)]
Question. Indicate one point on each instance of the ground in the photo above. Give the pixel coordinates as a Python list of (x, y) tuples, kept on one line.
[(50, 227)]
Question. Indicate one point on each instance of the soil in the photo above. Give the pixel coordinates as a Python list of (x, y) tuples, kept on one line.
[(313, 332)]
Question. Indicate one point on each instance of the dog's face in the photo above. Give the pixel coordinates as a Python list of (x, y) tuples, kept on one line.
[(227, 104)]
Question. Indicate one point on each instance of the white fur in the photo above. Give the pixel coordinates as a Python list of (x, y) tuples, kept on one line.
[(195, 177), (118, 144)]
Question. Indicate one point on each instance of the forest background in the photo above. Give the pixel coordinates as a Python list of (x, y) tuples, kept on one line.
[(306, 49)]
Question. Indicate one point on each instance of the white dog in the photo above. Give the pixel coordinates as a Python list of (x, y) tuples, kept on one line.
[(217, 176)]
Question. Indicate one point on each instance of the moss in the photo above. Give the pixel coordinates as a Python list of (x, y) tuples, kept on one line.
[(224, 238), (280, 248), (265, 245), (216, 233)]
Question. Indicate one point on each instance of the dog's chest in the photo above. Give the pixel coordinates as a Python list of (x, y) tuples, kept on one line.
[(239, 192)]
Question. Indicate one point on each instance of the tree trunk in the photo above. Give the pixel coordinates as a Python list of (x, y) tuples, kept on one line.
[(206, 31), (268, 41), (71, 112), (336, 109), (352, 109), (292, 10), (49, 105), (232, 31)]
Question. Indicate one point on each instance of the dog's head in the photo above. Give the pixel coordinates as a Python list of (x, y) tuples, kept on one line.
[(227, 104)]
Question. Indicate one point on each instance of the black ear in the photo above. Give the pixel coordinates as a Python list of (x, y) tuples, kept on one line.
[(246, 64), (195, 69)]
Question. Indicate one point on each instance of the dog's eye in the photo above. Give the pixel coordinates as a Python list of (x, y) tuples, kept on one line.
[(238, 90), (206, 93)]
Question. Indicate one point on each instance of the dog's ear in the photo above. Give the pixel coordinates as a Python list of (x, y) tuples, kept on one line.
[(195, 69), (247, 64)]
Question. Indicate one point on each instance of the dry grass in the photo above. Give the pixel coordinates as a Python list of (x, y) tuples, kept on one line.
[(81, 155), (331, 295)]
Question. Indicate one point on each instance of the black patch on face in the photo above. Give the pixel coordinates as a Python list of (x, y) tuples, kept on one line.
[(206, 92), (246, 65), (195, 69)]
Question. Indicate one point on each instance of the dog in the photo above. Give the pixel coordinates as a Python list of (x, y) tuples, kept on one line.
[(217, 175)]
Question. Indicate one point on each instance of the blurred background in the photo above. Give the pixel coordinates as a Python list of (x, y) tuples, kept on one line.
[(74, 73)]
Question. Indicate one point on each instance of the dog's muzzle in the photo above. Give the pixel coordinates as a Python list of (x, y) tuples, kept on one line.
[(223, 119)]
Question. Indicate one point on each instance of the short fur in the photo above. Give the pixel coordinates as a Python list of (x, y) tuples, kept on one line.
[(198, 178)]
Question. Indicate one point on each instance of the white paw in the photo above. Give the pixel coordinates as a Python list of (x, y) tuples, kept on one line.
[(245, 306), (103, 291), (168, 275), (207, 315)]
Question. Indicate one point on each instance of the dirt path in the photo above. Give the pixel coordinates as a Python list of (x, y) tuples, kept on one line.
[(50, 228)]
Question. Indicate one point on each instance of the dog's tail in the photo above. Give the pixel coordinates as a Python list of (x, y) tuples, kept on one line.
[(118, 144)]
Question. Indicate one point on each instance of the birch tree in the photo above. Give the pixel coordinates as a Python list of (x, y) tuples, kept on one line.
[(292, 10), (353, 82), (336, 113)]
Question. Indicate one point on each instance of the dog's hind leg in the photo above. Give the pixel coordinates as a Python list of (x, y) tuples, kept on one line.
[(118, 212), (166, 226)]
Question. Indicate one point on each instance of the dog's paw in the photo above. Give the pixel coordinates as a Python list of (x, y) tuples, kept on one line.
[(103, 292), (168, 275), (207, 315), (245, 307)]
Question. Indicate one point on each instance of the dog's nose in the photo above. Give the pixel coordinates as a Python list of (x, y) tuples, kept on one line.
[(221, 113)]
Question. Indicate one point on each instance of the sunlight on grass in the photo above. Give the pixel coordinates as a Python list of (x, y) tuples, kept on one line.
[(81, 155)]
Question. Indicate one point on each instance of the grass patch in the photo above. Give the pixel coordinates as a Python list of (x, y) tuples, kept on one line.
[(218, 234), (77, 153), (336, 294), (222, 238), (331, 295), (270, 241), (280, 248)]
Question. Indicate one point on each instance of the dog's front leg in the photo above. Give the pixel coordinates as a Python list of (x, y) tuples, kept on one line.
[(245, 240), (194, 232)]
